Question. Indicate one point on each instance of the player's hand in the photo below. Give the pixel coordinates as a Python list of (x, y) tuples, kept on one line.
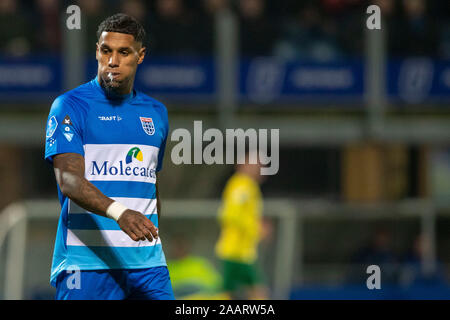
[(137, 226)]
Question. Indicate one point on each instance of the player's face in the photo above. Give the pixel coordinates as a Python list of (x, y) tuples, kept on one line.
[(118, 56)]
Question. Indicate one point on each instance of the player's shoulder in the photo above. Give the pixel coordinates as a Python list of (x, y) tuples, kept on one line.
[(239, 182), (76, 98), (238, 189), (150, 102)]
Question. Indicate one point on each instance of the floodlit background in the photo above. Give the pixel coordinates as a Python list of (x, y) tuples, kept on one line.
[(364, 135)]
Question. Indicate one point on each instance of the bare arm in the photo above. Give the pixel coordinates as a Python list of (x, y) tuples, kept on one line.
[(69, 172)]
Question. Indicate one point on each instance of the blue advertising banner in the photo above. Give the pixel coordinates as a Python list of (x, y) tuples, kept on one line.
[(418, 80), (261, 80), (267, 80), (31, 78)]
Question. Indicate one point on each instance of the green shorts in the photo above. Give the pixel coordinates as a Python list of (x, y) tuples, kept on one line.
[(238, 274)]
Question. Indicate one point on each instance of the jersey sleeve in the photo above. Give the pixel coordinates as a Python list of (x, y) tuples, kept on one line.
[(163, 144), (64, 130)]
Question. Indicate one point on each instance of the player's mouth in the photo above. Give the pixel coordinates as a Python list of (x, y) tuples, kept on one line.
[(112, 75)]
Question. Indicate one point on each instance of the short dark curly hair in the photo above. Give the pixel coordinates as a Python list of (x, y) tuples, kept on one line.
[(122, 23)]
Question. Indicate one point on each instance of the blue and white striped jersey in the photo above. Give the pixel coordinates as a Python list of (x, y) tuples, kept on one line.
[(122, 141)]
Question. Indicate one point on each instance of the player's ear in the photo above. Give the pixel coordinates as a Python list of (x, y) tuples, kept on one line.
[(141, 54)]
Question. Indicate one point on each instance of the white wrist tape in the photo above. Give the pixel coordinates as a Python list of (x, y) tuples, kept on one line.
[(115, 210)]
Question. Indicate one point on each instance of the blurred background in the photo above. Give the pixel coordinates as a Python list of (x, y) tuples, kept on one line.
[(364, 119)]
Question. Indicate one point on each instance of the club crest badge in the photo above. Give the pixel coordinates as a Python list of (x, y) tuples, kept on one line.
[(147, 125)]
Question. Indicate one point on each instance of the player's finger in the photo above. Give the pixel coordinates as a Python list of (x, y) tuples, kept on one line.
[(147, 233), (150, 226), (133, 236), (129, 233), (139, 233)]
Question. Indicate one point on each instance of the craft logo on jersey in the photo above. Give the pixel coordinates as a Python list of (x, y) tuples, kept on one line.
[(147, 125), (134, 153)]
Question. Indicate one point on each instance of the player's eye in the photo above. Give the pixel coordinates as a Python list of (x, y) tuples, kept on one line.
[(105, 50), (124, 53)]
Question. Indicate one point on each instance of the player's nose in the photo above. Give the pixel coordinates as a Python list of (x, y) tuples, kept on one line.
[(113, 60)]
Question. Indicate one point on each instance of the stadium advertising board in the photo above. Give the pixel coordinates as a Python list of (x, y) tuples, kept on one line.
[(261, 80)]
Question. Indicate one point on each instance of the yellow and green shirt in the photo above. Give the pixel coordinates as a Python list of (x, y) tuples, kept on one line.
[(240, 219)]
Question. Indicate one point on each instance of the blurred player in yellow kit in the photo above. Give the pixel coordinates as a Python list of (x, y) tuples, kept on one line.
[(242, 228)]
